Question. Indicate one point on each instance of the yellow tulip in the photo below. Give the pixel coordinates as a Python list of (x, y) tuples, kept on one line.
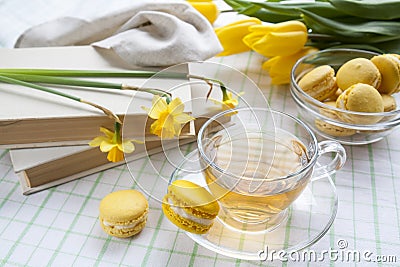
[(280, 67), (286, 26), (207, 8), (231, 36), (280, 39)]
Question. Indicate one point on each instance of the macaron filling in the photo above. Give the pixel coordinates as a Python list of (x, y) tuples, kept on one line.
[(124, 226), (181, 212)]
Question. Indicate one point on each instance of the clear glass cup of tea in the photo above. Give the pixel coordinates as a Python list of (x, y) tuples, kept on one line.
[(257, 161)]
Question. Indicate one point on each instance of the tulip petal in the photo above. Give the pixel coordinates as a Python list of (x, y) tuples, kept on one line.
[(280, 67), (285, 26), (231, 35), (251, 38), (280, 43), (270, 63)]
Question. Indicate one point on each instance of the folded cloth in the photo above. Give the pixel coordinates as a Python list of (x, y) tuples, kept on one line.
[(148, 34)]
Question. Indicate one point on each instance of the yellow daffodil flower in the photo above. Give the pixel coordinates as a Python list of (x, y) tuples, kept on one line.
[(169, 117), (112, 143), (207, 8), (231, 36), (279, 67), (228, 101), (280, 39)]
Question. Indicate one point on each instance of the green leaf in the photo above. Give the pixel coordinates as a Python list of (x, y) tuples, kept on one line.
[(323, 9), (371, 9), (365, 31)]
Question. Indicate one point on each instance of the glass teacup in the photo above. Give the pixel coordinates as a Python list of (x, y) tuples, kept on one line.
[(256, 163)]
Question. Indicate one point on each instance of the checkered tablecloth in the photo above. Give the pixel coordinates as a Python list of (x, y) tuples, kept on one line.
[(59, 226)]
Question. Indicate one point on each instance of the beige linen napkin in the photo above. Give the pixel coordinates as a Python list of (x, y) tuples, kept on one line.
[(147, 34)]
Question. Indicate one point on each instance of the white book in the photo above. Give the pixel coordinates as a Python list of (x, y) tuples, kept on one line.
[(41, 168), (31, 118)]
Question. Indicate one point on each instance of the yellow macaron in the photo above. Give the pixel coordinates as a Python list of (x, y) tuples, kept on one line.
[(360, 98), (358, 70), (389, 103), (329, 128), (123, 213), (319, 83), (389, 67), (190, 206)]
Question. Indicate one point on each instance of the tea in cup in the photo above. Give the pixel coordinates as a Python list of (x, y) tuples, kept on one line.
[(257, 162)]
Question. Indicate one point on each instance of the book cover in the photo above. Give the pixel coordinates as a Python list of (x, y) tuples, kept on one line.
[(41, 168)]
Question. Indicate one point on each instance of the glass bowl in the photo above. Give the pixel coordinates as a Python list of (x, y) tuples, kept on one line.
[(326, 120)]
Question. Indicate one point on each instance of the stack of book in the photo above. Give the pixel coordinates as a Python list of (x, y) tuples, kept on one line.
[(47, 135)]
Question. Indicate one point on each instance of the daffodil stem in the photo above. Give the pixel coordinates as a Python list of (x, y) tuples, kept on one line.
[(33, 78), (117, 133), (95, 73), (210, 82), (224, 93), (61, 80), (153, 91), (204, 79), (106, 111), (38, 87)]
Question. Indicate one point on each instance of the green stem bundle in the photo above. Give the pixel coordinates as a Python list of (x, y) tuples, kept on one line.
[(30, 78), (106, 111), (33, 78), (372, 24)]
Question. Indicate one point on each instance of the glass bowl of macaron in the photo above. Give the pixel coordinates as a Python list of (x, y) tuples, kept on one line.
[(348, 95)]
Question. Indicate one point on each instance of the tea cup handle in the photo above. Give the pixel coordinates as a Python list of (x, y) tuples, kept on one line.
[(335, 164)]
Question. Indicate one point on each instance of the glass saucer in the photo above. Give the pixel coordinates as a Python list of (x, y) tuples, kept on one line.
[(310, 217)]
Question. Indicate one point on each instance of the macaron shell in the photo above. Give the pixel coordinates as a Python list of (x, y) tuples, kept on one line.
[(329, 112), (319, 83), (329, 128), (360, 98), (389, 103), (121, 209), (194, 198), (389, 67), (123, 206), (183, 223), (333, 130), (358, 70)]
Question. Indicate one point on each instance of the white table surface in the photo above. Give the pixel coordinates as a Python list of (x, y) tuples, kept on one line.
[(59, 226)]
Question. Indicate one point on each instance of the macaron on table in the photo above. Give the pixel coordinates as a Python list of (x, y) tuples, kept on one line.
[(123, 213)]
